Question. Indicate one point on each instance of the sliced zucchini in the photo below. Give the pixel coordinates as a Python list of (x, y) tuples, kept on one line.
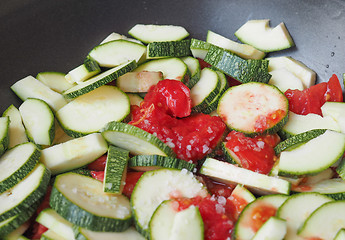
[(313, 156), (297, 124), (240, 197), (17, 134), (199, 48), (230, 174), (17, 234), (168, 183), (92, 111), (99, 80), (83, 72), (54, 222), (134, 139), (167, 223), (194, 68), (172, 68), (137, 82), (254, 108), (284, 80), (205, 90), (74, 153), (55, 80), (60, 135), (134, 99), (340, 234), (16, 164), (247, 225), (148, 33), (30, 87), (4, 134), (307, 76), (81, 201), (336, 110), (152, 162), (297, 208), (116, 36), (243, 50), (325, 221), (13, 227), (38, 120), (274, 229), (260, 35), (251, 70), (117, 52), (51, 235), (23, 197), (129, 234), (297, 140), (168, 49), (115, 170)]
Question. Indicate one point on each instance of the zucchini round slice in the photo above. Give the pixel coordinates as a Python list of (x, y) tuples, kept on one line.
[(81, 200), (152, 162), (254, 108)]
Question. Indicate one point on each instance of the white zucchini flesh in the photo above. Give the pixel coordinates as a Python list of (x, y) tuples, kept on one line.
[(51, 235), (307, 76), (55, 80), (273, 229), (129, 234), (255, 182), (38, 120), (4, 134), (284, 80), (145, 199), (336, 110), (243, 50), (17, 234), (79, 74), (17, 133), (325, 221), (90, 112), (259, 34), (297, 208), (136, 82), (314, 156), (340, 235), (116, 36), (148, 33), (54, 222), (117, 52), (74, 153), (30, 87)]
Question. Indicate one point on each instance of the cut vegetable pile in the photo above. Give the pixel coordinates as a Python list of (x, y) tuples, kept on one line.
[(165, 137)]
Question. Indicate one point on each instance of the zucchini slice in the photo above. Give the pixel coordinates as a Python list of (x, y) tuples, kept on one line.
[(284, 80), (194, 69), (254, 108), (117, 52), (134, 139), (51, 235), (17, 234), (81, 201), (115, 170), (148, 33), (30, 87), (16, 164), (243, 50), (38, 120), (297, 208), (55, 80), (74, 153), (137, 82), (24, 195), (99, 80), (274, 228), (16, 129), (83, 72), (251, 70), (336, 110), (230, 174), (167, 184), (129, 234), (152, 162), (92, 111), (4, 134), (199, 48), (168, 49)]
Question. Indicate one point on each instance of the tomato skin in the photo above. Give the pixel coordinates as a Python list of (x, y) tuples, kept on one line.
[(310, 100), (254, 153), (37, 229), (131, 180), (98, 175), (203, 64), (237, 203), (98, 164)]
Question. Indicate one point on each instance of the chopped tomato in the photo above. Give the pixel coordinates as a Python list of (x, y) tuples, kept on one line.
[(232, 81), (260, 215), (131, 180), (217, 217), (238, 203), (98, 175), (191, 137), (218, 188), (264, 122), (253, 153), (98, 164), (37, 231), (203, 64), (311, 99)]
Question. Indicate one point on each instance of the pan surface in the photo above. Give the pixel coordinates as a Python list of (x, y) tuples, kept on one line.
[(47, 35)]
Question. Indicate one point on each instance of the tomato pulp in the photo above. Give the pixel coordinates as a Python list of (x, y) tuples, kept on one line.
[(168, 116)]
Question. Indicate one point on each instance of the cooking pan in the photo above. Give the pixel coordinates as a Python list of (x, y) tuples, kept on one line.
[(47, 35)]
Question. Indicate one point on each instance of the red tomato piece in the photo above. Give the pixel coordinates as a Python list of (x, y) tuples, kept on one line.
[(238, 204), (264, 122), (37, 231), (311, 99), (98, 175), (203, 64), (260, 215), (131, 180), (253, 153), (98, 164), (217, 188), (216, 215)]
